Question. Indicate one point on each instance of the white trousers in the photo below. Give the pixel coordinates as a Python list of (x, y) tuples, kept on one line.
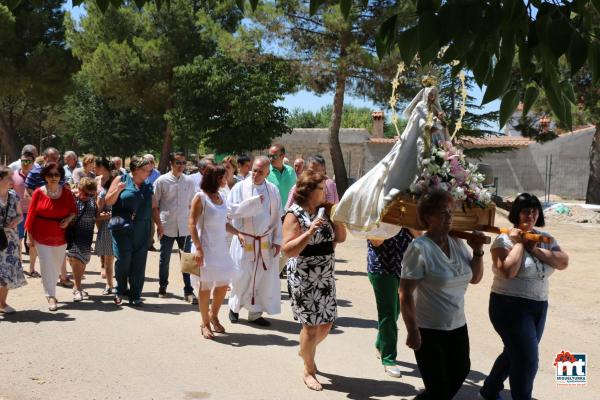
[(51, 259)]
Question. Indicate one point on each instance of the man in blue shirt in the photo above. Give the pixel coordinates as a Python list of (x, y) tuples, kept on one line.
[(34, 179)]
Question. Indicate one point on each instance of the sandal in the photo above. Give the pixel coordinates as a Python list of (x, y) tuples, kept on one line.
[(207, 332), (66, 283), (35, 274), (217, 327), (118, 300)]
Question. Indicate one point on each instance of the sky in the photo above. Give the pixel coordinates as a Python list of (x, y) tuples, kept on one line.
[(309, 101)]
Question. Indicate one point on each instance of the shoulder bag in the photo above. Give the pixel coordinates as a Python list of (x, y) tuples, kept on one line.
[(188, 260)]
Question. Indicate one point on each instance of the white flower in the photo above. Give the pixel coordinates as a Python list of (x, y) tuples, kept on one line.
[(459, 193), (426, 161)]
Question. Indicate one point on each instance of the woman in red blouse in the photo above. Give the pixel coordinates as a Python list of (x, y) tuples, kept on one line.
[(51, 210)]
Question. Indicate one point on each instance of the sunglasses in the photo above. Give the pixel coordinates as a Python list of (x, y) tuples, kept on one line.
[(26, 162), (88, 194), (180, 162), (53, 175), (274, 156)]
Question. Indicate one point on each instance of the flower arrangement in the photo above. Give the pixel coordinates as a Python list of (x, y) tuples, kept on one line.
[(446, 168)]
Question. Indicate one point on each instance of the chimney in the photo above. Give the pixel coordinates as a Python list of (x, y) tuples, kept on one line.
[(377, 131)]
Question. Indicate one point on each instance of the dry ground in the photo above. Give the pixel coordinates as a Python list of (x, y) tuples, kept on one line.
[(95, 350)]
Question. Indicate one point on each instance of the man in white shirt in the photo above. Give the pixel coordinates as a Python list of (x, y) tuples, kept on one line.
[(255, 206), (28, 148), (173, 193), (71, 163)]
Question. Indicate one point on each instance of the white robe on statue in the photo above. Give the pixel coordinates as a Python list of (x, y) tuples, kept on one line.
[(258, 288), (361, 206)]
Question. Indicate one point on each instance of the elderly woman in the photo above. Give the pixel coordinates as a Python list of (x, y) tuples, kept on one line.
[(308, 240), (80, 253), (519, 298), (11, 271), (131, 198), (88, 169), (439, 267), (51, 210)]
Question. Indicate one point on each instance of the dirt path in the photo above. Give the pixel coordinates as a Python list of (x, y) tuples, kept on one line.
[(95, 350)]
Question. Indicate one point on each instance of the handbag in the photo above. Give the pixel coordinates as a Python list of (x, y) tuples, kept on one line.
[(117, 223), (3, 238), (188, 260), (71, 230)]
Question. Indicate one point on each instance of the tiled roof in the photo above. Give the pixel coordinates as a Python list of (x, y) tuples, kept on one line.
[(495, 141), (382, 141)]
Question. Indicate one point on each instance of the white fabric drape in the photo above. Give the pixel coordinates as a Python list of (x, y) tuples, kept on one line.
[(361, 206)]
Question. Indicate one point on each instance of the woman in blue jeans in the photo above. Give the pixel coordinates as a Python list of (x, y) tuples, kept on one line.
[(519, 299)]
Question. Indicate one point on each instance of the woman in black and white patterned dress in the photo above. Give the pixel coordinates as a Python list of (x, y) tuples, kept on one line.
[(309, 242)]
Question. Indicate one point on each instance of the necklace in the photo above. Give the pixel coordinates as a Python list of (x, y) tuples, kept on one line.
[(51, 193)]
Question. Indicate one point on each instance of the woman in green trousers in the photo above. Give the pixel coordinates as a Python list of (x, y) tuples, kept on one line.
[(131, 198), (384, 258)]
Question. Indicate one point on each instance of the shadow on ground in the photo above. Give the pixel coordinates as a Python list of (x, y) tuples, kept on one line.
[(36, 317), (238, 339), (363, 389)]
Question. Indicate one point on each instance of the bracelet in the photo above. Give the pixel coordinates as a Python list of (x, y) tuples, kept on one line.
[(479, 254)]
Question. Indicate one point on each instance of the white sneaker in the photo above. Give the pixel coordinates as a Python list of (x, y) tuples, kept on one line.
[(7, 310), (77, 295), (393, 371)]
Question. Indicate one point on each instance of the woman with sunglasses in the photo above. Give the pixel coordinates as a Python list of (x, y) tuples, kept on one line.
[(519, 298), (81, 250), (51, 210)]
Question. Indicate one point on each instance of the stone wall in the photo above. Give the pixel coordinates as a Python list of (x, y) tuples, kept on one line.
[(524, 170), (308, 142)]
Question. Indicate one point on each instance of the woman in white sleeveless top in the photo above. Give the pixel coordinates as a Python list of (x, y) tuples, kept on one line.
[(208, 226)]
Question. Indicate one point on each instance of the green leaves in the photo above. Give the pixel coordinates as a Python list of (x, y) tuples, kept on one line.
[(499, 82), (345, 7), (509, 104), (531, 95), (577, 52), (408, 44), (594, 61), (102, 5)]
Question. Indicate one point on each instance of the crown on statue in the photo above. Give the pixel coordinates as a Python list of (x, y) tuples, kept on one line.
[(429, 80)]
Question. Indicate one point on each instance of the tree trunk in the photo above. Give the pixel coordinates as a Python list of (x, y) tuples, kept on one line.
[(7, 139), (335, 149), (166, 148), (593, 188), (167, 143)]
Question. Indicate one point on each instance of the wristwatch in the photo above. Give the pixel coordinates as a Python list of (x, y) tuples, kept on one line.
[(480, 254)]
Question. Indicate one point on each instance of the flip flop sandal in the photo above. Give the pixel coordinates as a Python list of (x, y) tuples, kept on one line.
[(35, 274), (27, 273)]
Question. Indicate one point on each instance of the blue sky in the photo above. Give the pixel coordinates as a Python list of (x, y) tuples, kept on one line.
[(310, 101)]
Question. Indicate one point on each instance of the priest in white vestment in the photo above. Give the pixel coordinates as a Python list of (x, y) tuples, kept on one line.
[(255, 206)]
